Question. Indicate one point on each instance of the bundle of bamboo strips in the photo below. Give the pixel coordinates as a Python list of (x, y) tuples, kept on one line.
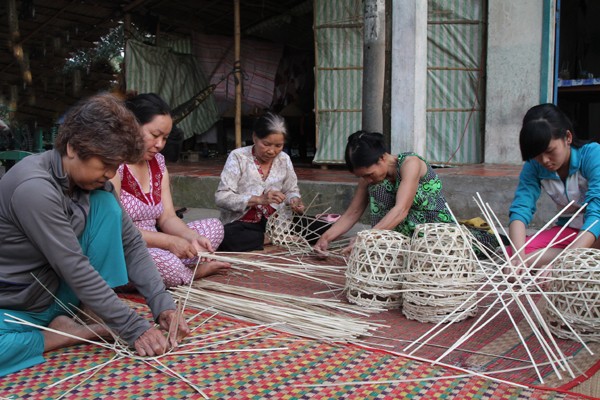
[(290, 300), (303, 320)]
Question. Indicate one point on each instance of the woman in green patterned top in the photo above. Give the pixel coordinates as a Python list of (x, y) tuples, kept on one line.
[(401, 191)]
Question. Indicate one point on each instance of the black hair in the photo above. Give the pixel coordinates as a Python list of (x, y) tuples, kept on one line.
[(146, 106), (268, 123), (541, 124), (364, 149)]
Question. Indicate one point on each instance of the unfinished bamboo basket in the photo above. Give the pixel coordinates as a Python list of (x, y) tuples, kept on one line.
[(375, 269), (575, 294), (441, 270), (282, 231)]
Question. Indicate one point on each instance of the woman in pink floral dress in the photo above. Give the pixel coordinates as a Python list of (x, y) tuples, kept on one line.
[(145, 193)]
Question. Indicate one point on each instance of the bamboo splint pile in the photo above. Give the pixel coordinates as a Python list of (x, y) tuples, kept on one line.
[(510, 289), (326, 305), (300, 316)]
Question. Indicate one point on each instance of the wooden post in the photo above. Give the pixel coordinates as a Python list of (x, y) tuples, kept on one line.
[(238, 74), (373, 65), (126, 36)]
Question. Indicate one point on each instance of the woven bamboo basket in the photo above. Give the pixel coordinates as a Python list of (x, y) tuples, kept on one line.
[(441, 271), (282, 231), (575, 293), (375, 269)]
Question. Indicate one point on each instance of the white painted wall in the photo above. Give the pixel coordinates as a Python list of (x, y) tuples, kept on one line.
[(409, 76), (513, 74)]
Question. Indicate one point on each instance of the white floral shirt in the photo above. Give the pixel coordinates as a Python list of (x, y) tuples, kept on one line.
[(240, 180)]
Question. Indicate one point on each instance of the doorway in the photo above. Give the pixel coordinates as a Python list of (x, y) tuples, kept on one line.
[(578, 88)]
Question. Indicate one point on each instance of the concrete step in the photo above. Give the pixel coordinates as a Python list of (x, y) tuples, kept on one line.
[(498, 191), (192, 214)]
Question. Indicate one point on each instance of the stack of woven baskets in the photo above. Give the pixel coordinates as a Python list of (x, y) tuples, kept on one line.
[(436, 270)]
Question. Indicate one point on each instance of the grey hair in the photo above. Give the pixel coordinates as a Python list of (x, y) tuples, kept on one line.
[(268, 123)]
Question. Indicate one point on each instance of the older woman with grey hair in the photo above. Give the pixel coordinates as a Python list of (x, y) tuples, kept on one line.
[(255, 182)]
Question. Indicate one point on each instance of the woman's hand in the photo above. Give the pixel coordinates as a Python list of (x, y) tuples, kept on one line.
[(515, 267), (151, 343), (297, 205), (321, 246), (175, 325), (182, 248), (202, 245), (348, 249), (273, 197)]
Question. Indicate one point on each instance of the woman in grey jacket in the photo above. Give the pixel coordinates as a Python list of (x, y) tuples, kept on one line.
[(65, 239)]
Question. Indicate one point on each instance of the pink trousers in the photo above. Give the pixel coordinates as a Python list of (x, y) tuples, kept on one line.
[(176, 271), (543, 239)]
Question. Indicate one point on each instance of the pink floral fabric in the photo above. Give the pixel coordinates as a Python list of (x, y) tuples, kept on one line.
[(145, 209)]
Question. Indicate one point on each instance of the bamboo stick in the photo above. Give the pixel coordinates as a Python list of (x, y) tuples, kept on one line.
[(399, 381), (551, 349), (304, 322)]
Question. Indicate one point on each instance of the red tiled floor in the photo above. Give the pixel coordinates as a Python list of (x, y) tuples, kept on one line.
[(336, 173), (482, 170), (304, 171)]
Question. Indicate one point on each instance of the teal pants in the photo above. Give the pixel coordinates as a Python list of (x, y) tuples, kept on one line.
[(23, 346)]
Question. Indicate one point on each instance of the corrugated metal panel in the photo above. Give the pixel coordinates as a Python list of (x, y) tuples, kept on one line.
[(455, 106), (175, 77), (338, 76)]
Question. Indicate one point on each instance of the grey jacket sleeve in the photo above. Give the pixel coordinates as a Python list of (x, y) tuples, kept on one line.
[(39, 209), (142, 269)]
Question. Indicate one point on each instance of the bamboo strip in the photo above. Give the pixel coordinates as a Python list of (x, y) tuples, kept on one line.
[(116, 357), (278, 297), (304, 322), (399, 381), (550, 348), (96, 369), (439, 346), (20, 321), (182, 378), (273, 268), (252, 350)]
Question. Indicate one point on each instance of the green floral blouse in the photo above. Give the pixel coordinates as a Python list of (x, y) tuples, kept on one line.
[(428, 206)]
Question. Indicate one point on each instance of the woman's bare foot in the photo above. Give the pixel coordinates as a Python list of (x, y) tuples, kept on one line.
[(88, 316), (266, 240), (62, 323), (211, 268)]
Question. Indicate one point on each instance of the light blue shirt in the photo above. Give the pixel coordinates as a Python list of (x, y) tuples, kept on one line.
[(582, 186)]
